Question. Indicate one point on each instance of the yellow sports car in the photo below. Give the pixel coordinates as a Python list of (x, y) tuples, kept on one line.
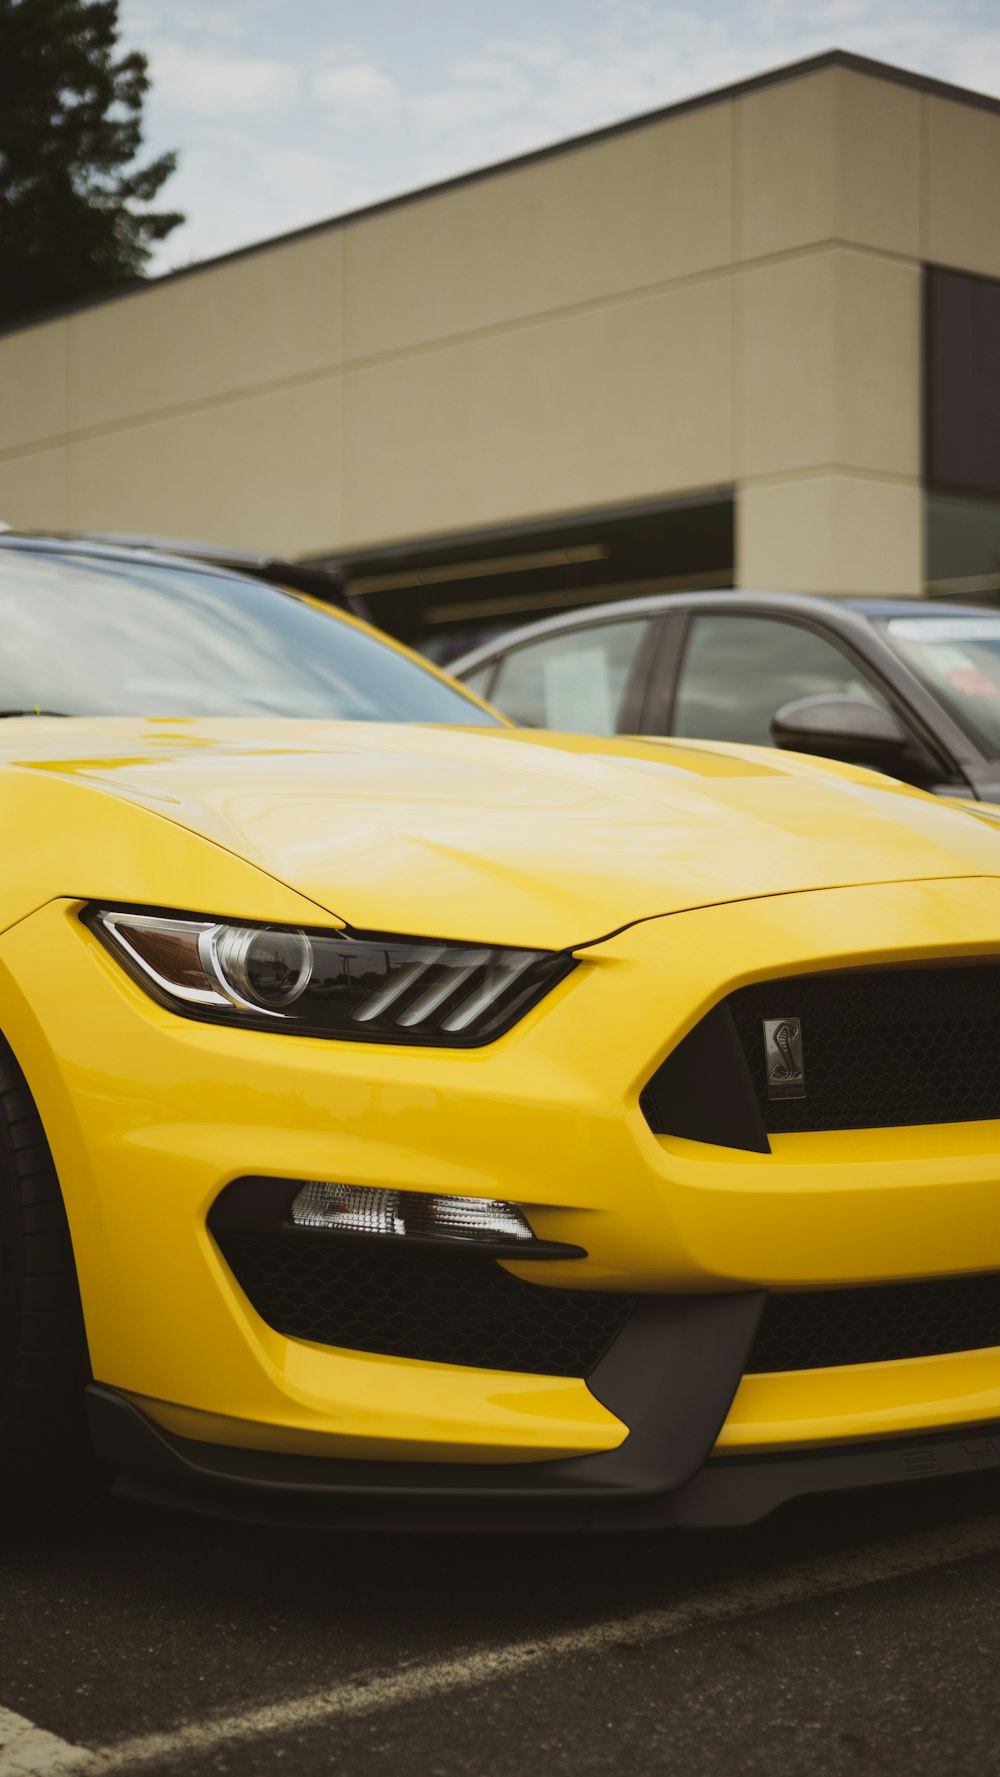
[(408, 1117)]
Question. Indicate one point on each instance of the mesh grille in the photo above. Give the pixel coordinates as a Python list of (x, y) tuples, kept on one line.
[(444, 1308), (817, 1329), (881, 1049)]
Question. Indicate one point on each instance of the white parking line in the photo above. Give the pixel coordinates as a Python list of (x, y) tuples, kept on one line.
[(26, 1751)]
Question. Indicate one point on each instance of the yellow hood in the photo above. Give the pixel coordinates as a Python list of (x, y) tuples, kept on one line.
[(508, 835)]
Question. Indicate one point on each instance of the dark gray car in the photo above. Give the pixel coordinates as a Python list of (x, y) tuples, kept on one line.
[(907, 687)]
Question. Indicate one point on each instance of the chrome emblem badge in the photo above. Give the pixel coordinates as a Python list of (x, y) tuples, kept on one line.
[(786, 1074)]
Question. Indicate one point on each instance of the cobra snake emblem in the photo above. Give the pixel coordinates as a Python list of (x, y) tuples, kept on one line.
[(782, 1040)]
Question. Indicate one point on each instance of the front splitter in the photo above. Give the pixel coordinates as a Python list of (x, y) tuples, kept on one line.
[(262, 1487)]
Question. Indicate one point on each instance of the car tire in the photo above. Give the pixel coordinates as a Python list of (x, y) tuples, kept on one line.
[(47, 1468)]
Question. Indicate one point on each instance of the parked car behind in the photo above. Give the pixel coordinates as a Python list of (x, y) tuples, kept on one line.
[(907, 687)]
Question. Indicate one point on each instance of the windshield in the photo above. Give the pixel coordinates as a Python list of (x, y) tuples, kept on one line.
[(99, 637), (959, 659)]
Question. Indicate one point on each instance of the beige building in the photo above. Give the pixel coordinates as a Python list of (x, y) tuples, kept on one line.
[(721, 344)]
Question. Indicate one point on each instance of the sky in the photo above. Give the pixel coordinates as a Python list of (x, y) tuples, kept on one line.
[(286, 112)]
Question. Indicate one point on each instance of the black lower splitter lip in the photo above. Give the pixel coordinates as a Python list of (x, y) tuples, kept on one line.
[(264, 1487)]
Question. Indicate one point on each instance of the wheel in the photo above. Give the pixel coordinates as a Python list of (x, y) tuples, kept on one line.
[(47, 1469)]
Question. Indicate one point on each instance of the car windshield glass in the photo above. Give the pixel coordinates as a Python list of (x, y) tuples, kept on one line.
[(958, 657), (85, 636)]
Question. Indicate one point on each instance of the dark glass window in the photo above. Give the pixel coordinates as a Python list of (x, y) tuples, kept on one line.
[(737, 672), (963, 548), (84, 636), (962, 391)]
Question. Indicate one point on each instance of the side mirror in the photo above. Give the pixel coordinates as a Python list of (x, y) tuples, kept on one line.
[(840, 727)]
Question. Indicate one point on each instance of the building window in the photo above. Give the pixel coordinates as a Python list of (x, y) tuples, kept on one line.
[(962, 548), (962, 383), (451, 594)]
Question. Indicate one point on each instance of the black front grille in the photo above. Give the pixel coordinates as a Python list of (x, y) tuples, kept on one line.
[(881, 1048), (817, 1329), (889, 1047), (442, 1307)]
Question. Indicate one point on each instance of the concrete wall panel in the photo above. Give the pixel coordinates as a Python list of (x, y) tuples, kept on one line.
[(615, 404), (636, 209), (877, 391), (259, 319), (787, 400), (264, 472), (963, 187), (786, 149), (829, 364), (833, 155), (33, 385), (830, 533), (33, 491), (879, 163)]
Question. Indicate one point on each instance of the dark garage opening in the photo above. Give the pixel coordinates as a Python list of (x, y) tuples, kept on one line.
[(445, 595)]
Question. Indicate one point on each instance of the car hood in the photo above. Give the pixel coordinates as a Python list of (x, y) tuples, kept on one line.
[(507, 835)]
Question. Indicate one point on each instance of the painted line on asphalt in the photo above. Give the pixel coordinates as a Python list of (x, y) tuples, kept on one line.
[(31, 1752), (25, 1749)]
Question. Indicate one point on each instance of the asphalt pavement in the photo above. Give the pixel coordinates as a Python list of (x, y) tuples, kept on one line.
[(846, 1636)]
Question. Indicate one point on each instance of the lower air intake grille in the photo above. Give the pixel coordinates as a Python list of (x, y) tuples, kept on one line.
[(443, 1308), (817, 1329)]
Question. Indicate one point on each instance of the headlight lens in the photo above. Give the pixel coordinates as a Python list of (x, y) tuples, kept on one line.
[(351, 986), (269, 969)]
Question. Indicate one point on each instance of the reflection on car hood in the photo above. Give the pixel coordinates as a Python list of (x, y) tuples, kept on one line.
[(507, 835)]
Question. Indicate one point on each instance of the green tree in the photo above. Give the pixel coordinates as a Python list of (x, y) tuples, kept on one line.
[(72, 205)]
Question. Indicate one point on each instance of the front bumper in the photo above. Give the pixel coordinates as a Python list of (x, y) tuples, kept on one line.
[(150, 1117)]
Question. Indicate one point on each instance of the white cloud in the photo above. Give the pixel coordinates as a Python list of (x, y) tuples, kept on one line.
[(357, 86), (143, 20), (975, 62), (309, 185), (212, 84)]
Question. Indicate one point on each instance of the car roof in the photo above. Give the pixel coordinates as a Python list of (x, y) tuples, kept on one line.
[(840, 612), (916, 608), (35, 543), (181, 553)]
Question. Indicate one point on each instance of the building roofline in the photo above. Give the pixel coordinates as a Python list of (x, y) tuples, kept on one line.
[(831, 58)]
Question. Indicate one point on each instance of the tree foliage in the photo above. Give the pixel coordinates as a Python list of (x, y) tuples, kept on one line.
[(73, 219)]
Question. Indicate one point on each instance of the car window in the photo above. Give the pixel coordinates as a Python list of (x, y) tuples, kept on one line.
[(573, 681), (958, 657), (86, 635), (738, 671)]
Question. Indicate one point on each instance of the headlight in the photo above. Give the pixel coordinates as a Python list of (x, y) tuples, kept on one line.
[(340, 984)]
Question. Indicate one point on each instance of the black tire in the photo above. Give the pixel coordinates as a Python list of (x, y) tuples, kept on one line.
[(47, 1468)]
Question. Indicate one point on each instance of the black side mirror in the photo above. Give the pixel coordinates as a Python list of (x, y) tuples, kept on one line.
[(840, 727)]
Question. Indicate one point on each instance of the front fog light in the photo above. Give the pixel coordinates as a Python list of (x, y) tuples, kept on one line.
[(357, 1209)]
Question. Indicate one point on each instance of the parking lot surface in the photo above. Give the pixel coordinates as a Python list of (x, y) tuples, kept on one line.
[(857, 1635)]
